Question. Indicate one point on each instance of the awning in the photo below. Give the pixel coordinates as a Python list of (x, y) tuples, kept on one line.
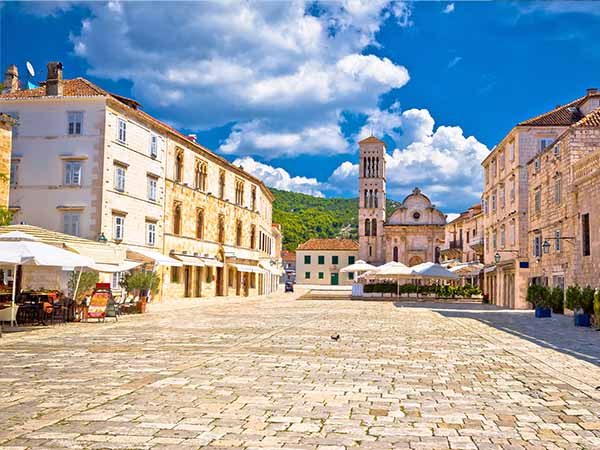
[(102, 254), (274, 270), (489, 269), (112, 268), (158, 258), (247, 268), (211, 262), (189, 260)]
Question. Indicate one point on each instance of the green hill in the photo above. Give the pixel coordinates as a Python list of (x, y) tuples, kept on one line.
[(303, 217)]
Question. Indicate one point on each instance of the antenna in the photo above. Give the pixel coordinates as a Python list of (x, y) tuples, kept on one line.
[(31, 72), (30, 69)]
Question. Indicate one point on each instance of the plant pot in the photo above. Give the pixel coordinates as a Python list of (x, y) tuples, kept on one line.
[(142, 305), (582, 320), (541, 312)]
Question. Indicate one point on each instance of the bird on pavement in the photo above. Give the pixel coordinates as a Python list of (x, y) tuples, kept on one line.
[(335, 337)]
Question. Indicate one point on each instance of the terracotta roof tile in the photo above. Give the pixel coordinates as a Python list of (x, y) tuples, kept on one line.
[(371, 140), (591, 120), (77, 87), (329, 244), (563, 115)]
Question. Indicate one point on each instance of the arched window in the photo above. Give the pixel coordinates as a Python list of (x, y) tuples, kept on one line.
[(197, 176), (395, 254), (365, 167), (200, 224), (253, 236), (253, 198), (377, 167), (238, 233), (373, 227), (376, 198), (177, 218), (222, 185), (370, 198), (179, 166), (367, 227), (221, 229)]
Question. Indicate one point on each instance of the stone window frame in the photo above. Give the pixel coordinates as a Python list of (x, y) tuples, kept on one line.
[(149, 232), (150, 178), (75, 120), (200, 219), (121, 130), (119, 180), (177, 218)]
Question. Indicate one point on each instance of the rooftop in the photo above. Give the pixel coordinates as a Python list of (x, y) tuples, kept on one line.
[(329, 244), (561, 115), (371, 140)]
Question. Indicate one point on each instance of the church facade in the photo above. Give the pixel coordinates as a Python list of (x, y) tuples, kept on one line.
[(413, 234)]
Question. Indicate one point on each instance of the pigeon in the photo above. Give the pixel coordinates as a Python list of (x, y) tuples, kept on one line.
[(335, 337)]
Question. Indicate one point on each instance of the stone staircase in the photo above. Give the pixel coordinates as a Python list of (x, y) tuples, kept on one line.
[(322, 295)]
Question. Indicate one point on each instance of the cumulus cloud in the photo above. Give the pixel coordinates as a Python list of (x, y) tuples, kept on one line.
[(279, 178), (443, 162), (449, 8), (292, 66)]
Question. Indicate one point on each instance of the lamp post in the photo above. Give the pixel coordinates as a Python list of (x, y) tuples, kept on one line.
[(497, 258), (546, 247), (102, 238)]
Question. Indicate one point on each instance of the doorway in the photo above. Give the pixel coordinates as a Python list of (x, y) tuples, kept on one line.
[(219, 280), (335, 279), (198, 282), (187, 281)]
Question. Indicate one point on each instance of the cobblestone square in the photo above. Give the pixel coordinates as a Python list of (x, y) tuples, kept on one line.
[(265, 374)]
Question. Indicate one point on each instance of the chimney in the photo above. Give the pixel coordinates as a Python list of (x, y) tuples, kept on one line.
[(54, 80), (192, 137), (591, 91), (11, 79)]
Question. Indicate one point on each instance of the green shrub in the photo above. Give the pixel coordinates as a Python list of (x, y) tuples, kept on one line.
[(572, 300), (88, 281), (587, 300), (136, 282), (556, 300), (597, 307), (539, 296)]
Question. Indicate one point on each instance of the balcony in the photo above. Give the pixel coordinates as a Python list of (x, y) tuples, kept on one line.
[(452, 249), (477, 245)]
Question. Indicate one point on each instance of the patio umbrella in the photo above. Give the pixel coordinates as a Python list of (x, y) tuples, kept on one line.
[(358, 266), (18, 249), (395, 270), (434, 271)]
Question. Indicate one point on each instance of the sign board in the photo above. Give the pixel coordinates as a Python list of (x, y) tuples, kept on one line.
[(98, 304)]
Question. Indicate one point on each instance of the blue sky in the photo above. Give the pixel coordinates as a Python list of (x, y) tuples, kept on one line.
[(287, 89)]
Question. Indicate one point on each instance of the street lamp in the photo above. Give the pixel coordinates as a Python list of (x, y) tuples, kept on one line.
[(546, 247), (102, 238), (497, 257)]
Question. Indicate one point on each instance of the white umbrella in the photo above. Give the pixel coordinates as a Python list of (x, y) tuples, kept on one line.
[(435, 271), (358, 266), (18, 248), (395, 270)]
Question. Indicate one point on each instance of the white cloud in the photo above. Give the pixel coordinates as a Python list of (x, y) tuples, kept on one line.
[(291, 66), (451, 216), (449, 8), (443, 162), (279, 178), (454, 61)]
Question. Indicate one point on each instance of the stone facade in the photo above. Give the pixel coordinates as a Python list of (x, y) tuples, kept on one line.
[(93, 164), (564, 193), (6, 124), (464, 237), (506, 199), (318, 261), (414, 232)]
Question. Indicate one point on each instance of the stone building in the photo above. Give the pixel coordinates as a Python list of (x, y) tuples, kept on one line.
[(506, 198), (564, 194), (93, 164), (414, 232), (464, 237), (318, 261), (6, 126)]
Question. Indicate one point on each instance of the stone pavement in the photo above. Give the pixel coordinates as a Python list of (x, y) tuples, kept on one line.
[(264, 374)]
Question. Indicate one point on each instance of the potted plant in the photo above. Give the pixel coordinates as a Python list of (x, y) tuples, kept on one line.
[(539, 297), (586, 307), (597, 308), (141, 284), (557, 300)]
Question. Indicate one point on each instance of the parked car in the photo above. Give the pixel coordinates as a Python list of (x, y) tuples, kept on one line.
[(289, 286)]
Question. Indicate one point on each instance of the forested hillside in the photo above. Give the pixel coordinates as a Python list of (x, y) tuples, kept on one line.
[(303, 217)]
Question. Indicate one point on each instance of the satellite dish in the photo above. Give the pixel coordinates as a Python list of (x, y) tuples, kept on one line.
[(30, 69)]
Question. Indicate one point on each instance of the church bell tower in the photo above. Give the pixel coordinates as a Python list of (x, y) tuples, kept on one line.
[(371, 200)]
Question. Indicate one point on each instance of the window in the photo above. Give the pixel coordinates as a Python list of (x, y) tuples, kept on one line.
[(321, 259), (71, 223), (351, 259), (537, 164), (335, 260), (557, 189), (73, 173), (177, 218), (152, 184), (501, 161), (511, 151), (537, 200), (494, 246), (115, 280), (200, 224), (306, 259), (221, 229), (118, 228), (557, 150), (151, 233), (351, 275), (485, 207), (545, 142), (307, 275), (501, 197), (373, 227), (238, 233), (239, 193), (537, 246), (513, 232), (512, 190), (153, 145), (321, 275), (75, 120), (585, 234), (253, 236), (494, 202), (179, 166), (557, 244), (120, 178), (14, 173), (222, 184), (367, 227), (253, 199), (121, 130), (502, 236), (201, 176), (174, 274)]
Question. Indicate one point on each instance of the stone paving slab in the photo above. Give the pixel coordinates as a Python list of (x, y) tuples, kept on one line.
[(264, 374)]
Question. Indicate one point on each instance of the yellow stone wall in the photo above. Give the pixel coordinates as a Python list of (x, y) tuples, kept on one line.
[(5, 153)]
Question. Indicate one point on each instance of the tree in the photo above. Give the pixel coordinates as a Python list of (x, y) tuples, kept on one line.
[(87, 283)]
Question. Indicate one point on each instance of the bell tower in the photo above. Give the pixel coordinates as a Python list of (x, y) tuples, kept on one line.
[(371, 200)]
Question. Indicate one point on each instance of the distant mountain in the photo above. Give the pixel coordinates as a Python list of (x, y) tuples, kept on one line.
[(303, 217)]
